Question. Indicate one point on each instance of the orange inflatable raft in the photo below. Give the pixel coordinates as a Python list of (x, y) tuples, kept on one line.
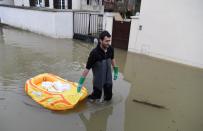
[(53, 92)]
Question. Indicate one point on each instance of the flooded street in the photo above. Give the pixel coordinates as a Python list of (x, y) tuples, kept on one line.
[(177, 88)]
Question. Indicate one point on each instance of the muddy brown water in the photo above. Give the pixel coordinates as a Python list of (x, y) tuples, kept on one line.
[(176, 87)]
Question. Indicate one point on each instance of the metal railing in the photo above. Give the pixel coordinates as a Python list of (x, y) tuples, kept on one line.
[(87, 25)]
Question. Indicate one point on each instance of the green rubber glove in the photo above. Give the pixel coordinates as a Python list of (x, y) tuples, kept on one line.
[(115, 70), (80, 83)]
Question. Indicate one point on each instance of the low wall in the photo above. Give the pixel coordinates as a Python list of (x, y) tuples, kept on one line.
[(7, 2), (21, 2), (53, 23)]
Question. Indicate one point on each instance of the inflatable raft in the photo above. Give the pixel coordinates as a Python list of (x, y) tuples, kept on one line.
[(53, 92)]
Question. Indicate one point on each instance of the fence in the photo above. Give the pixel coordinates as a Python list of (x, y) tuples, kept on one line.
[(87, 25)]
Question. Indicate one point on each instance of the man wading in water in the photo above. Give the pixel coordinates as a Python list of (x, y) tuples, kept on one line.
[(100, 60)]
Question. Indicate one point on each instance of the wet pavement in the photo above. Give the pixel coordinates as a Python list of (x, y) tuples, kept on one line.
[(143, 82)]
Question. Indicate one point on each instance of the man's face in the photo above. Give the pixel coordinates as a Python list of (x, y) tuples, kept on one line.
[(105, 42)]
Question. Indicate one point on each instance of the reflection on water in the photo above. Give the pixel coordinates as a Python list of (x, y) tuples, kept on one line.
[(92, 122), (24, 55), (177, 87)]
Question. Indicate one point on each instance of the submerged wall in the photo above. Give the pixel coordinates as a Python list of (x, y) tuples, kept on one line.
[(57, 24)]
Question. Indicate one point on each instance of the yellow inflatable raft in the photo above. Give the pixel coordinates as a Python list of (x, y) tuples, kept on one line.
[(53, 92)]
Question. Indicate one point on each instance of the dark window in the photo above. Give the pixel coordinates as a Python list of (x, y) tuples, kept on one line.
[(32, 3), (59, 4), (46, 3), (69, 4)]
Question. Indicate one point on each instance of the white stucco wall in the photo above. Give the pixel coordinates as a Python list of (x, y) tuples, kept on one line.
[(22, 2), (7, 2), (171, 30), (76, 4), (54, 24), (108, 22), (64, 24)]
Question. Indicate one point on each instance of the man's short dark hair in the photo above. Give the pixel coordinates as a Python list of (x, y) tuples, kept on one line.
[(103, 34)]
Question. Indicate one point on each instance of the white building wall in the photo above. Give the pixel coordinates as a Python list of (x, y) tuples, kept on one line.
[(7, 2), (54, 24), (22, 2), (171, 30), (64, 24), (76, 4)]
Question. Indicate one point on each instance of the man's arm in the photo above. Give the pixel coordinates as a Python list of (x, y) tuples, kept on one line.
[(85, 72), (115, 69), (82, 79), (113, 62), (90, 62)]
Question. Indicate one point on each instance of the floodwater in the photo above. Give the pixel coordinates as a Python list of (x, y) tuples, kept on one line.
[(176, 87)]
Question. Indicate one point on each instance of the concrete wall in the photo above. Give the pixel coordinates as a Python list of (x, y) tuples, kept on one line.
[(54, 24), (171, 30), (7, 2), (22, 2)]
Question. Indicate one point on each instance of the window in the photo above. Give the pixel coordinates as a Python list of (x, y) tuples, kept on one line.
[(59, 4), (46, 3)]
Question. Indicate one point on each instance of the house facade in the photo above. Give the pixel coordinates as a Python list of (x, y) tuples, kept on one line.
[(7, 2), (52, 4), (129, 7), (62, 4)]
